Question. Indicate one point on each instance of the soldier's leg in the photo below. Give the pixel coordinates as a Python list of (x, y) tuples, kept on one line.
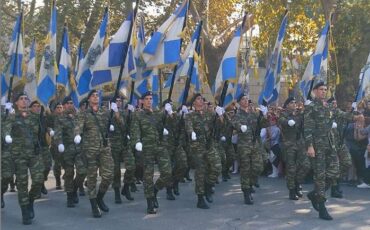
[(148, 163), (81, 171), (57, 167), (213, 161), (117, 159), (92, 167), (245, 168), (180, 167), (37, 177), (319, 167), (6, 173), (345, 161), (198, 156), (256, 164), (105, 168), (129, 176), (165, 170), (47, 162), (333, 174), (224, 169)]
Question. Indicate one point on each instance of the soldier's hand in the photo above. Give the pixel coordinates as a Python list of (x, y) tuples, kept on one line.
[(111, 128), (219, 111), (243, 128), (165, 132), (334, 125), (8, 139), (77, 139), (291, 123), (311, 151), (139, 147), (61, 148), (193, 136), (114, 107), (131, 108), (168, 108), (9, 106), (223, 138), (51, 133)]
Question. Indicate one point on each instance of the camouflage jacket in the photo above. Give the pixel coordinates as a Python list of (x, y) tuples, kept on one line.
[(201, 123), (250, 119), (291, 134), (64, 126)]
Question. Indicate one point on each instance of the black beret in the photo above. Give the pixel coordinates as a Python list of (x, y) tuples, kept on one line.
[(91, 93), (241, 96), (66, 100), (288, 100), (83, 102), (20, 95), (195, 97), (319, 84), (34, 102), (147, 93), (330, 100)]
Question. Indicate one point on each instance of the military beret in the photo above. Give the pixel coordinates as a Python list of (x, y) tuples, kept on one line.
[(195, 97), (66, 100), (91, 93), (20, 95), (330, 100), (241, 96), (319, 84), (34, 102), (83, 102), (147, 93), (288, 100)]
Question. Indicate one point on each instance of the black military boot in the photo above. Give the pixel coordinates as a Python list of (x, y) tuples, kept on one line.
[(117, 196), (2, 201), (44, 190), (170, 195), (176, 188), (202, 203), (292, 194), (155, 200), (224, 177), (126, 192), (70, 202), (95, 209), (31, 210), (208, 192), (26, 220), (74, 194), (312, 197), (58, 183), (248, 197), (150, 209), (100, 202), (133, 187), (187, 175), (335, 192), (323, 213), (298, 190)]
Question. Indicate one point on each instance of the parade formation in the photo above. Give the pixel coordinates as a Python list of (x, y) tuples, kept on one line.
[(87, 140)]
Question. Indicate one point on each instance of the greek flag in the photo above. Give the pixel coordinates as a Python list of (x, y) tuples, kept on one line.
[(31, 83), (271, 88), (84, 73), (364, 81), (164, 46), (316, 68), (65, 62), (106, 70), (79, 57), (49, 69)]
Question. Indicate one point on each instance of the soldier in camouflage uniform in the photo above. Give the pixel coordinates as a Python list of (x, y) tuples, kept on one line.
[(318, 122), (22, 131), (147, 136), (121, 152), (246, 123), (92, 124), (199, 125), (297, 162), (64, 125)]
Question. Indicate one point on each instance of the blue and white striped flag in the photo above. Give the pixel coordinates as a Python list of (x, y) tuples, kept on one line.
[(106, 70), (316, 68), (271, 87), (65, 63), (364, 81), (73, 88), (165, 45), (31, 82), (49, 67), (86, 67), (79, 57)]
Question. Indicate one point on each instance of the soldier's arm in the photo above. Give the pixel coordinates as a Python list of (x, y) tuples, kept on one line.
[(80, 121), (6, 126), (58, 129), (188, 124), (135, 128), (309, 125)]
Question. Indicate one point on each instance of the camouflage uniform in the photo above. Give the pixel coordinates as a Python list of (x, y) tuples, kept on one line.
[(25, 153), (56, 156), (318, 120), (96, 149), (296, 159), (147, 128), (7, 165), (205, 157), (46, 123)]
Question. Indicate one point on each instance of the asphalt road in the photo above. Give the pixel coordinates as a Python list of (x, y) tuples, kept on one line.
[(272, 210)]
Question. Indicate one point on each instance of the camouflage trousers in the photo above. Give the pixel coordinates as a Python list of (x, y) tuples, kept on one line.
[(297, 163), (57, 158), (345, 160), (178, 161), (46, 161), (71, 159), (250, 164), (98, 157), (207, 164), (7, 168), (326, 168), (222, 155), (24, 160), (153, 152), (230, 155), (124, 154)]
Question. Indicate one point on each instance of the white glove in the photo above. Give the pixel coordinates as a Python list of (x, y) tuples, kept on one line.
[(354, 106), (263, 133), (139, 147), (184, 109), (334, 125), (165, 132), (223, 138), (193, 136), (8, 139), (291, 123), (77, 139), (219, 110), (9, 106), (307, 102), (61, 148), (264, 110), (51, 133), (114, 107), (234, 139), (128, 137), (243, 128), (111, 127), (168, 108), (131, 108)]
